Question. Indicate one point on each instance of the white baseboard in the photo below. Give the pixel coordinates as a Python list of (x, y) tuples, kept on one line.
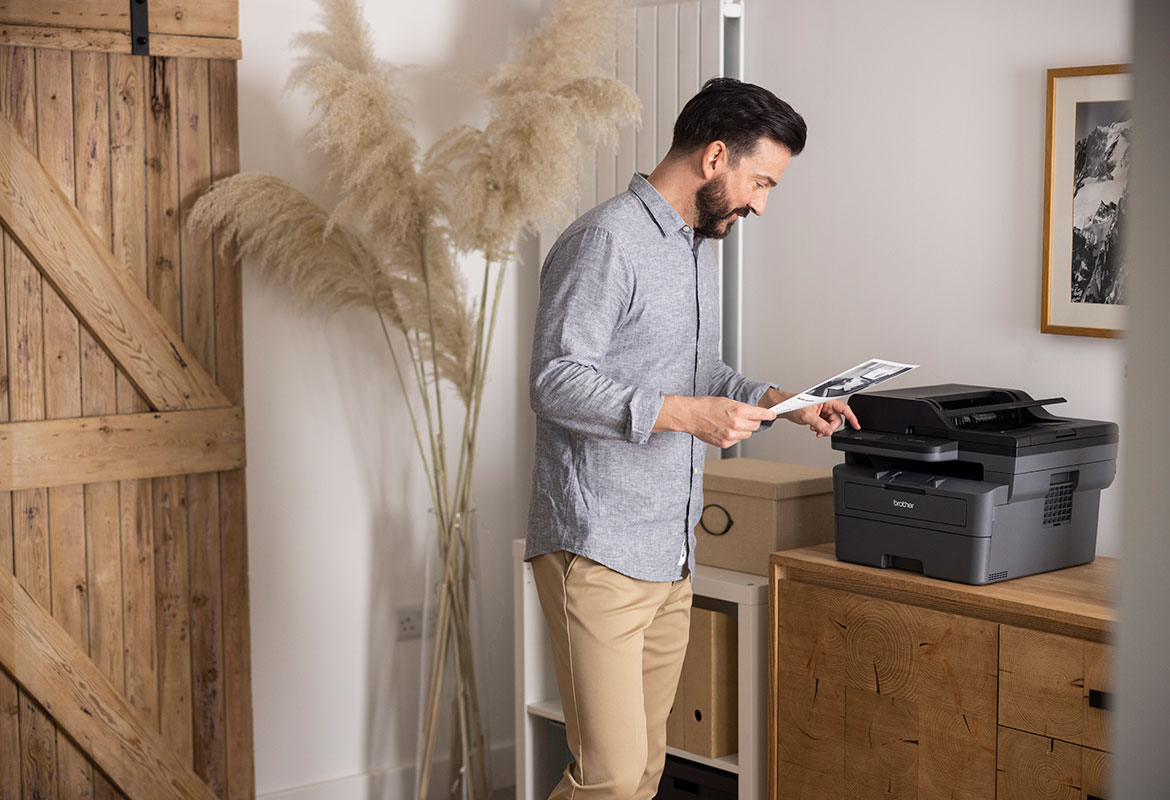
[(395, 783)]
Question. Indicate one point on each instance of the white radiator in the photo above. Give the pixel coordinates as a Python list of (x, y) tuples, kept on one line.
[(666, 51)]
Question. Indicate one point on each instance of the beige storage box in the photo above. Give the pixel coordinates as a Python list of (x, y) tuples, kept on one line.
[(704, 718), (752, 508)]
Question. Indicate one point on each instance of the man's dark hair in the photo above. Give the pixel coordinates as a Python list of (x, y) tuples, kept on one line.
[(738, 114)]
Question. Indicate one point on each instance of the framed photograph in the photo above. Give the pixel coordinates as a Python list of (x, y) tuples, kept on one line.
[(1085, 201)]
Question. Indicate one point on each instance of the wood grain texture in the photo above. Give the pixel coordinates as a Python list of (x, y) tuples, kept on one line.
[(882, 699), (38, 745), (1031, 766), (1002, 718), (89, 40), (173, 597), (9, 736), (881, 744), (128, 181), (810, 728), (26, 372), (126, 446), (1041, 683), (956, 755), (1079, 601), (128, 187), (9, 698), (207, 669), (49, 664), (241, 780), (99, 394), (1099, 666), (147, 574), (53, 233), (1096, 773), (67, 551), (171, 535), (888, 648), (183, 17)]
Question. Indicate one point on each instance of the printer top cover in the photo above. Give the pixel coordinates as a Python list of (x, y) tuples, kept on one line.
[(937, 423)]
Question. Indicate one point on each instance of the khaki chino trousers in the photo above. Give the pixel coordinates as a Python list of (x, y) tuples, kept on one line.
[(618, 645)]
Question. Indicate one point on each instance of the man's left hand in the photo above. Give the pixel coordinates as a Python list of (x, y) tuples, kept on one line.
[(822, 418)]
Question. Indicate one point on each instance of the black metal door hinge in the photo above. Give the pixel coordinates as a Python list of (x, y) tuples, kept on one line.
[(139, 28)]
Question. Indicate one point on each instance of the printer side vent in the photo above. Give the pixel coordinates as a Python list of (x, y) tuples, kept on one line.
[(996, 576), (1058, 504)]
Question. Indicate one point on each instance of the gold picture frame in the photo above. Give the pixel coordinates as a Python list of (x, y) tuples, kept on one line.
[(1084, 204)]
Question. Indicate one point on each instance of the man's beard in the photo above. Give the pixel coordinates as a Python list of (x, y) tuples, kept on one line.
[(714, 215)]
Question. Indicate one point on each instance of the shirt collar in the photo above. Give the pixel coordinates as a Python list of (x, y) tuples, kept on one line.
[(662, 212)]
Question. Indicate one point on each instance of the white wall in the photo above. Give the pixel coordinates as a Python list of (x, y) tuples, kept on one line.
[(910, 227), (337, 503)]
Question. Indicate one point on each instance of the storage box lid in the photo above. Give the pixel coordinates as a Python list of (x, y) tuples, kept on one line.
[(769, 479)]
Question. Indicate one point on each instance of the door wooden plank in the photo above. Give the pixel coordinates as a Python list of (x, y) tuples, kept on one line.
[(52, 232), (103, 533), (48, 664), (55, 151), (182, 17), (172, 547), (241, 779), (27, 401), (122, 447), (87, 39), (171, 564), (38, 747), (194, 134), (98, 375), (9, 698), (128, 178), (9, 735)]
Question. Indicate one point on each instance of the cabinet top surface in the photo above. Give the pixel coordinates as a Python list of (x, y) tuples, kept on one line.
[(1083, 598)]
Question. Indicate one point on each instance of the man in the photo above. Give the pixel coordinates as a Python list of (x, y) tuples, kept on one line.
[(628, 389)]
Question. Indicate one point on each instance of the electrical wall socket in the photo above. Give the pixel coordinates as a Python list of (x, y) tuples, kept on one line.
[(410, 622)]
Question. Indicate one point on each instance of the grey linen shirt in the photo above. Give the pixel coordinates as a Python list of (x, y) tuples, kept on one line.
[(628, 313)]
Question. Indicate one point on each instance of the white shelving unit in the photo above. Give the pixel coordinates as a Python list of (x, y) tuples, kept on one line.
[(540, 756)]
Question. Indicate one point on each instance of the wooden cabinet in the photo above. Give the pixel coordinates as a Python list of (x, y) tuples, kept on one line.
[(886, 684)]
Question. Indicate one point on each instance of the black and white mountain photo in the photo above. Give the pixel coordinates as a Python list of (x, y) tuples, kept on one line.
[(1100, 173)]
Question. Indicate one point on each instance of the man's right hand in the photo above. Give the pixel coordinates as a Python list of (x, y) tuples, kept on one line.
[(720, 421)]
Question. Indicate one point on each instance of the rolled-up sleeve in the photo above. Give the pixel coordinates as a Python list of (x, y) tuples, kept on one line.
[(586, 286)]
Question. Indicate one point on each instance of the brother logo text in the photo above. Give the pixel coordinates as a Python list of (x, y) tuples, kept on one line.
[(903, 504)]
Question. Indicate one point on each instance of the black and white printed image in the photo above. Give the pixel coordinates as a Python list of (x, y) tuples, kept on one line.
[(1100, 175), (858, 378)]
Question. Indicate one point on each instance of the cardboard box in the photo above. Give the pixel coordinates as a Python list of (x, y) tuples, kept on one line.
[(705, 717), (752, 508)]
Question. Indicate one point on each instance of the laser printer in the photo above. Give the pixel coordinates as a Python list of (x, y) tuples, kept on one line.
[(969, 483)]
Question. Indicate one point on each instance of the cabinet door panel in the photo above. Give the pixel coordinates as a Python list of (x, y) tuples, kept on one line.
[(882, 698), (1031, 766), (1041, 683)]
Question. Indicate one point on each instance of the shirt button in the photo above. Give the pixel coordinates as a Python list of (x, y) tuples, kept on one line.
[(695, 470), (686, 228), (700, 362)]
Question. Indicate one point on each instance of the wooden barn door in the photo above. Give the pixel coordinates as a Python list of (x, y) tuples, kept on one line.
[(124, 642)]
